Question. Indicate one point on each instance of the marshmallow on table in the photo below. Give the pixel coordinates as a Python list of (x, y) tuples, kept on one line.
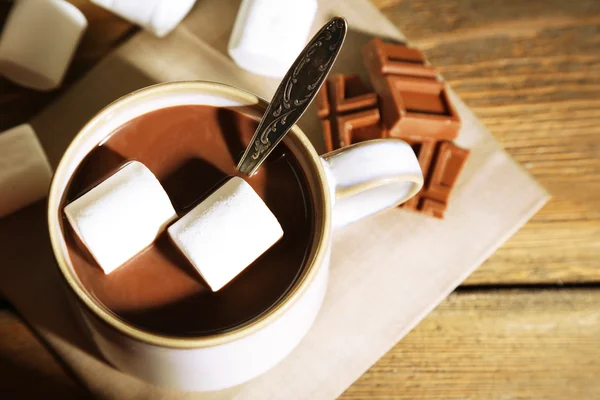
[(268, 35), (226, 232), (157, 16), (38, 42), (121, 216), (24, 169)]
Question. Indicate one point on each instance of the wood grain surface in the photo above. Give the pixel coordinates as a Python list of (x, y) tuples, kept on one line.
[(507, 344), (531, 71), (27, 369)]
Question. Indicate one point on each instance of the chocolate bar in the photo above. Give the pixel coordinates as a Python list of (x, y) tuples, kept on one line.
[(444, 164), (348, 112), (414, 104), (411, 103)]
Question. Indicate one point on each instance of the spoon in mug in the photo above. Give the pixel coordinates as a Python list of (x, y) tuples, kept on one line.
[(296, 91)]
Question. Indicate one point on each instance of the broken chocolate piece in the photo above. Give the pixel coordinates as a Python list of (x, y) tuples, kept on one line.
[(348, 111), (440, 177), (414, 105), (448, 163)]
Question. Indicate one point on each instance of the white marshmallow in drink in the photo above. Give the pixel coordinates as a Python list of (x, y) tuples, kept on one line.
[(121, 216), (38, 42), (226, 232), (268, 35), (159, 17), (25, 172)]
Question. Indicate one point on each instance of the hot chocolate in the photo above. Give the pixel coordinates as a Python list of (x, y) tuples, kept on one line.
[(192, 149)]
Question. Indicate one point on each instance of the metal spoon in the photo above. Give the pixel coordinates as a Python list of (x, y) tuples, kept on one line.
[(297, 90)]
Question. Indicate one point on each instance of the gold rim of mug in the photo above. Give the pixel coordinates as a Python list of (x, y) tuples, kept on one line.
[(314, 262)]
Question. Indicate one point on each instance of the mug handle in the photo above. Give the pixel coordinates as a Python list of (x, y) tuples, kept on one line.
[(371, 176)]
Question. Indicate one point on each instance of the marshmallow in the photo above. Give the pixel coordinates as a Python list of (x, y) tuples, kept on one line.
[(24, 169), (226, 232), (157, 16), (38, 42), (121, 216), (268, 35)]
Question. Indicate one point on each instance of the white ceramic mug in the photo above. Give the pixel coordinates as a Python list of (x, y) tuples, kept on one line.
[(345, 185)]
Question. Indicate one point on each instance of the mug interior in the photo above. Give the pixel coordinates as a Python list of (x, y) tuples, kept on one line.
[(168, 95)]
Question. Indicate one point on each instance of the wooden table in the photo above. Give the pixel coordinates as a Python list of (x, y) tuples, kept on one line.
[(527, 323)]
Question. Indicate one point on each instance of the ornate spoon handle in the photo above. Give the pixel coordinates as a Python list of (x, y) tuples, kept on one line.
[(297, 90)]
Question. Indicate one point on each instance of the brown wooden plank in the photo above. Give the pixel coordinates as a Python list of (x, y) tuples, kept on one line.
[(495, 345), (531, 72), (27, 370), (484, 345)]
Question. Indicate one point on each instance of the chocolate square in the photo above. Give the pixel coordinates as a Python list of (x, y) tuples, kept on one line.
[(449, 161), (397, 59), (441, 163), (348, 112), (432, 208), (416, 108), (414, 104)]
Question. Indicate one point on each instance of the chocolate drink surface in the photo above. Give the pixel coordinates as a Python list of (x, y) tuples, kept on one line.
[(191, 150)]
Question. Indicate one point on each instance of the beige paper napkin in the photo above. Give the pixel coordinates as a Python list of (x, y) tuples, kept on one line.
[(387, 272)]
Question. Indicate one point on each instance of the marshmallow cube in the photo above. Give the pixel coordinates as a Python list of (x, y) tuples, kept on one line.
[(38, 42), (226, 232), (25, 173), (268, 35), (156, 16), (121, 216)]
